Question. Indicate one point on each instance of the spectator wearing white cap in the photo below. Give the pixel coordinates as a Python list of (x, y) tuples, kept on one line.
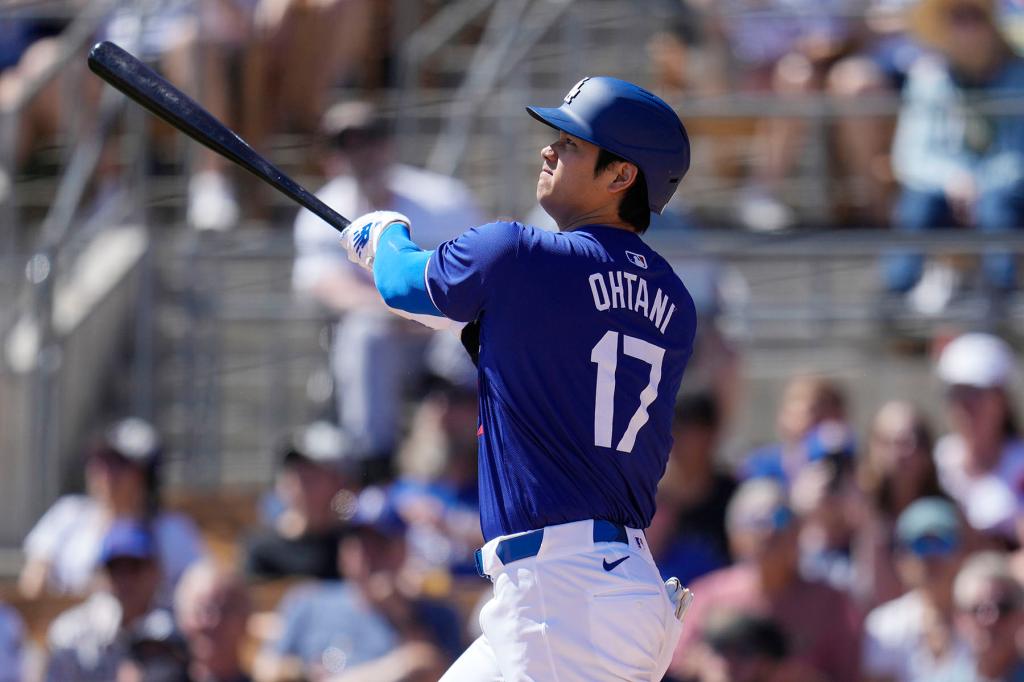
[(981, 461), (315, 485), (122, 481)]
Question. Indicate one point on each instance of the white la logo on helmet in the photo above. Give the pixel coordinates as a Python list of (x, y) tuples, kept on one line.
[(571, 95)]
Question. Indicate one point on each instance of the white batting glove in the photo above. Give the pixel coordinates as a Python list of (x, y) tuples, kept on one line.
[(360, 239)]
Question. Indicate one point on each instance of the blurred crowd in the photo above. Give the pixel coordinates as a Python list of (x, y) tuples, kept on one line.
[(892, 554), (885, 554)]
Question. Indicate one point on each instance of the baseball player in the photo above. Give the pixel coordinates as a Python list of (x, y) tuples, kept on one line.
[(584, 334)]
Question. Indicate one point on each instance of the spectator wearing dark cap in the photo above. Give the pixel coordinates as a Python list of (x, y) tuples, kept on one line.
[(316, 484), (981, 461), (374, 353), (912, 637), (89, 642), (156, 652), (122, 481), (747, 648), (990, 615), (820, 621), (366, 627), (687, 535)]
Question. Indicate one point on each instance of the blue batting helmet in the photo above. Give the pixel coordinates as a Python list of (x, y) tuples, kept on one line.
[(628, 121)]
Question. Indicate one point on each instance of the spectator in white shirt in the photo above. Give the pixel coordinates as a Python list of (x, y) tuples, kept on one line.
[(363, 176), (981, 462), (912, 638), (122, 482)]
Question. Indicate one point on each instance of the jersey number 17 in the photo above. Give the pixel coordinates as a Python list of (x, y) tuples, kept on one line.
[(606, 356)]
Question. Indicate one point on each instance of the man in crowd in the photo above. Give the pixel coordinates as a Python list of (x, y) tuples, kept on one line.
[(820, 621), (365, 627), (212, 608), (89, 642), (375, 353), (912, 637), (990, 602), (318, 475)]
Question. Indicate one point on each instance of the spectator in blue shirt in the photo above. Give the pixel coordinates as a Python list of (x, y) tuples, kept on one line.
[(959, 163), (366, 627)]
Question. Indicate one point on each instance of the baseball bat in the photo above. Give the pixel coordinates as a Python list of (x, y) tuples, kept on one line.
[(145, 86)]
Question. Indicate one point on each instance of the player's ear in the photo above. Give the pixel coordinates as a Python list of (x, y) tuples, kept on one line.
[(625, 175)]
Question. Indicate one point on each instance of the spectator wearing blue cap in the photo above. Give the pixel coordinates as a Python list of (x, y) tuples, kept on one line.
[(365, 627), (89, 642), (912, 637), (122, 481), (822, 623)]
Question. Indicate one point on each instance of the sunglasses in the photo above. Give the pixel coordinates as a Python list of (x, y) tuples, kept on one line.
[(988, 613), (965, 15), (930, 546)]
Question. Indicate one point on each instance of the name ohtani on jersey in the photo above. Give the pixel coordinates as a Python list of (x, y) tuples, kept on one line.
[(619, 289)]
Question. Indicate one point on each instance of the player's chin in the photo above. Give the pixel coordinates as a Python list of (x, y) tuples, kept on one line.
[(543, 186)]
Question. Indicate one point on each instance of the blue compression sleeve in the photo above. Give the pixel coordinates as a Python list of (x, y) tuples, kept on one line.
[(399, 270)]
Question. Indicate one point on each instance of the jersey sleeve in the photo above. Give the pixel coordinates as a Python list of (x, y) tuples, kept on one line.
[(465, 272)]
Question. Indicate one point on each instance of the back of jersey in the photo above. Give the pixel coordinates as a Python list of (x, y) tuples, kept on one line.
[(584, 339)]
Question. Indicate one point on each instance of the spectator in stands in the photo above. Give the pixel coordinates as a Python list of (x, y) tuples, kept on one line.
[(747, 648), (12, 642), (122, 480), (798, 48), (364, 177), (912, 637), (366, 627), (806, 402), (316, 484), (687, 535), (437, 492), (821, 622), (89, 642), (958, 163), (155, 652), (897, 469), (990, 602), (211, 607), (981, 461), (824, 496)]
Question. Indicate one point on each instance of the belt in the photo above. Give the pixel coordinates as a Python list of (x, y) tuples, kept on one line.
[(528, 544)]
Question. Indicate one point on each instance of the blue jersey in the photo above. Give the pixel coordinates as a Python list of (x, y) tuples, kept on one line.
[(583, 342)]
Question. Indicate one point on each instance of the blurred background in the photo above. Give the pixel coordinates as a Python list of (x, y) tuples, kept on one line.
[(196, 484)]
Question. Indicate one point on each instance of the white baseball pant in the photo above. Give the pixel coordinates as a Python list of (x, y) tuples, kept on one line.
[(577, 611)]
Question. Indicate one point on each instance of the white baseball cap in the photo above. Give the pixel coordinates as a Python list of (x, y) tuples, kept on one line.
[(979, 360)]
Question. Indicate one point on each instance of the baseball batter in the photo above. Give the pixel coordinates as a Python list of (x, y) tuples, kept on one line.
[(583, 338)]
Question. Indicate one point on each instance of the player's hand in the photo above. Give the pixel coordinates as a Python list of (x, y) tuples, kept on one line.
[(360, 239)]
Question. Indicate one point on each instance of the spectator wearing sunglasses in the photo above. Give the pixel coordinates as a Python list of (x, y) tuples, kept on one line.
[(990, 615), (912, 637), (981, 461)]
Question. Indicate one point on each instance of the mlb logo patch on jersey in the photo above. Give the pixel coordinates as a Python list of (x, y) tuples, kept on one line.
[(636, 259)]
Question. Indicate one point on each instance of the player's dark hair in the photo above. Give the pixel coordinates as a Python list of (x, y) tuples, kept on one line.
[(634, 208)]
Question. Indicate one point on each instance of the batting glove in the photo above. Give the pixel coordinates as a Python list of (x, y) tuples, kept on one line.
[(361, 237)]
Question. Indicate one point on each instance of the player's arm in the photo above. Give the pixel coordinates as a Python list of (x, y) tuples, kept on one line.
[(380, 243), (455, 281)]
